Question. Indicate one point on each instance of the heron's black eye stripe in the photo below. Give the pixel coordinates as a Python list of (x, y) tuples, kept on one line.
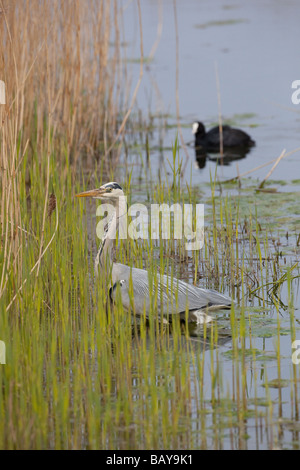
[(116, 186), (112, 186)]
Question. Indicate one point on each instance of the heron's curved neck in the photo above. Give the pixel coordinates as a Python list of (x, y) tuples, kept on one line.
[(103, 259)]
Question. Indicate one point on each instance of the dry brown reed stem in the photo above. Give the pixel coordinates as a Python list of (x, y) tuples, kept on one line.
[(84, 72), (133, 99), (150, 57), (261, 166), (177, 89), (49, 130), (238, 173), (159, 31), (281, 156), (219, 112), (62, 79)]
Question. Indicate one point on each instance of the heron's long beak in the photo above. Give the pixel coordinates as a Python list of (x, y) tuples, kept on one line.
[(91, 193)]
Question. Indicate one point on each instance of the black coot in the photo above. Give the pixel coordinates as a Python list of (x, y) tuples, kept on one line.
[(232, 138)]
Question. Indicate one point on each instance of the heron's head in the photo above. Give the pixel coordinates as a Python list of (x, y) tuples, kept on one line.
[(198, 128), (109, 191)]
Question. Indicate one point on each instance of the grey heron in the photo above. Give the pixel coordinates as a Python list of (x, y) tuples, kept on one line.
[(174, 296)]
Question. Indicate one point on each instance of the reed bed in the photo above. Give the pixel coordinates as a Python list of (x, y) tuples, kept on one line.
[(63, 100), (78, 376), (79, 373)]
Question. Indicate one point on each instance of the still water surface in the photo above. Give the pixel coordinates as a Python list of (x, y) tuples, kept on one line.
[(254, 46)]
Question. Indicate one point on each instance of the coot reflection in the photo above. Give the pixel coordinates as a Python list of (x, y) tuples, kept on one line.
[(228, 156)]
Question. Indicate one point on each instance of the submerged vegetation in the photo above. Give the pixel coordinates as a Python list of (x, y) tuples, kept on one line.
[(79, 374)]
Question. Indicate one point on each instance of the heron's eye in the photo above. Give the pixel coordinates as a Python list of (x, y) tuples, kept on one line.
[(109, 190)]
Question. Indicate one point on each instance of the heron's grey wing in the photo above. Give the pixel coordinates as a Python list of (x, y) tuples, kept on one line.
[(186, 296), (169, 295)]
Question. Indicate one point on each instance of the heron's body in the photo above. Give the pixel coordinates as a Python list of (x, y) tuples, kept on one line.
[(169, 295)]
